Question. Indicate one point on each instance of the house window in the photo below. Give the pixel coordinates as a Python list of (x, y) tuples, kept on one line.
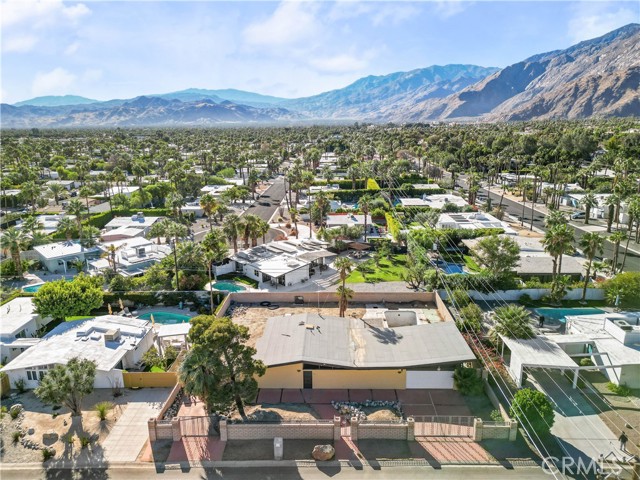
[(21, 334), (256, 273), (32, 375)]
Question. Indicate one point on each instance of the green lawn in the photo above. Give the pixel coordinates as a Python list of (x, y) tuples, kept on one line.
[(78, 317), (240, 279), (471, 263), (157, 370), (388, 271)]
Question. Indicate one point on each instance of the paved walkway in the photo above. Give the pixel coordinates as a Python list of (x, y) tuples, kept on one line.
[(130, 431)]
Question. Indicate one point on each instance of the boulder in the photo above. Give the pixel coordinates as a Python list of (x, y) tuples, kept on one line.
[(31, 431), (49, 438), (323, 452)]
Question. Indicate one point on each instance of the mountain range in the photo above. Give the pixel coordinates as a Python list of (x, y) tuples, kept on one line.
[(595, 78)]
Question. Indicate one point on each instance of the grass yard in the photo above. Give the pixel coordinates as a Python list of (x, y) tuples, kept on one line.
[(471, 263), (240, 279), (78, 317), (388, 271)]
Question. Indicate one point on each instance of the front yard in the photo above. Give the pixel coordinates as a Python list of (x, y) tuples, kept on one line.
[(388, 271)]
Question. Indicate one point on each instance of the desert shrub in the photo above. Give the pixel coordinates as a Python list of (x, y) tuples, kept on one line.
[(85, 441), (20, 385), (48, 453), (102, 409), (586, 362), (470, 318), (459, 298), (496, 416), (15, 436)]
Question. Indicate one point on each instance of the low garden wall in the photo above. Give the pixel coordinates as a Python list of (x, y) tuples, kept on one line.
[(263, 431), (535, 294), (494, 430), (149, 379)]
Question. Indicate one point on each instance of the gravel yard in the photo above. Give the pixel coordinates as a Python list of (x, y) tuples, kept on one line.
[(280, 412), (38, 419)]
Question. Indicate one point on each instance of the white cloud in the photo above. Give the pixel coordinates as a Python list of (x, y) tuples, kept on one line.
[(343, 62), (450, 8), (72, 48), (56, 82), (38, 13), (19, 43), (380, 13), (592, 20), (92, 75), (290, 23)]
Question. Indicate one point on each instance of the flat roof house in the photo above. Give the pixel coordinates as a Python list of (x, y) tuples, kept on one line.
[(434, 201), (50, 222), (120, 228), (57, 256), (133, 256), (114, 343), (352, 220), (120, 189), (472, 221), (315, 351), (285, 263), (19, 326)]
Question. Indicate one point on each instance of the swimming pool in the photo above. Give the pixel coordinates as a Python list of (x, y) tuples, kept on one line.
[(450, 268), (165, 318), (228, 287), (36, 287), (559, 314)]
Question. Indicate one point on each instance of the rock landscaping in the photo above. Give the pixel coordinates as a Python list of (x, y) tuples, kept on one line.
[(357, 409)]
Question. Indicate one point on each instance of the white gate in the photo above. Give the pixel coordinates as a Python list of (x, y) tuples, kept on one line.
[(429, 379)]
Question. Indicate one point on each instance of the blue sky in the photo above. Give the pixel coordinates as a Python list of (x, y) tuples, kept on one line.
[(122, 49)]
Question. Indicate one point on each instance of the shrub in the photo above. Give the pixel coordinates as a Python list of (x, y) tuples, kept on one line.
[(70, 439), (372, 184), (48, 453), (84, 441), (467, 381), (20, 385), (470, 318), (7, 268), (102, 409), (532, 408), (586, 362), (15, 436), (15, 413), (622, 390), (496, 416), (459, 298), (525, 299)]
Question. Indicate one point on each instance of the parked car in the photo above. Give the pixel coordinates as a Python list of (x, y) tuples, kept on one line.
[(577, 215)]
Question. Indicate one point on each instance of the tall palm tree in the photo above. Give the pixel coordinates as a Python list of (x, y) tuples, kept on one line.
[(293, 213), (231, 228), (248, 229), (589, 201), (592, 244), (555, 217), (90, 236), (14, 241), (175, 201), (76, 208), (57, 191), (85, 192), (558, 241), (344, 295), (260, 230), (66, 226), (110, 255), (616, 238), (364, 203), (344, 266), (176, 232), (210, 206)]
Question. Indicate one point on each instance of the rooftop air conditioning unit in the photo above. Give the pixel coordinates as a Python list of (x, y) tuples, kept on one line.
[(112, 335)]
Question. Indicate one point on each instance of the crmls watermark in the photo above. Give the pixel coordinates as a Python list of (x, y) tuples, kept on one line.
[(580, 466)]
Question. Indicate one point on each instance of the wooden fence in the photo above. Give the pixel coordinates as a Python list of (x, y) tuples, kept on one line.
[(149, 379)]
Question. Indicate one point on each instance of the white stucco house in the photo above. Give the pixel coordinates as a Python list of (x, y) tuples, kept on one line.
[(472, 221), (114, 343), (57, 256), (133, 256), (18, 328), (286, 263)]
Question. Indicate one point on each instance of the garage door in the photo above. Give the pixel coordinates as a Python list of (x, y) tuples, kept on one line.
[(429, 379)]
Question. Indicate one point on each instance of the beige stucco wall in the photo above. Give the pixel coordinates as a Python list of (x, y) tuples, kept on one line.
[(359, 379), (285, 376)]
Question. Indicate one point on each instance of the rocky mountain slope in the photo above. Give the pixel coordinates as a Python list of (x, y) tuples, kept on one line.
[(597, 77)]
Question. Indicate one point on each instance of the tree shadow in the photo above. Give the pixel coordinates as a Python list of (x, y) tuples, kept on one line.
[(386, 336)]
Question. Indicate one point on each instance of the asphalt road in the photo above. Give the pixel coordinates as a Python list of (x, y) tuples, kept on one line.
[(514, 209), (471, 472), (267, 203)]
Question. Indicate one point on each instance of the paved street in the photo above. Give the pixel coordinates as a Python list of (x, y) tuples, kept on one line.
[(267, 203), (134, 472), (514, 208)]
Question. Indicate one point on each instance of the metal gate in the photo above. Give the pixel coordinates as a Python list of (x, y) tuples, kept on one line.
[(443, 426), (204, 426)]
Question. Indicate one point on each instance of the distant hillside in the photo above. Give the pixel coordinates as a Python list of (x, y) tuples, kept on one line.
[(372, 96), (56, 101), (598, 77), (236, 96)]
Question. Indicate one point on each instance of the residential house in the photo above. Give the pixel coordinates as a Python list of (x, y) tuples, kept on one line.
[(56, 257), (120, 189), (132, 256), (121, 228), (438, 201), (472, 221), (66, 184), (285, 263), (19, 327), (49, 222), (309, 350), (114, 343), (352, 220)]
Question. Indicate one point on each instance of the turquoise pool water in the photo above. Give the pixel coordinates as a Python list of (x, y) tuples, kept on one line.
[(228, 287), (559, 314), (165, 318), (35, 288)]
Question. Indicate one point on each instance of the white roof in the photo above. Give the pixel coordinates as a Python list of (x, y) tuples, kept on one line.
[(426, 186), (62, 249), (128, 232), (49, 222), (471, 221), (215, 189), (434, 201), (131, 222), (84, 339), (347, 219), (120, 189), (173, 329), (538, 352), (16, 314)]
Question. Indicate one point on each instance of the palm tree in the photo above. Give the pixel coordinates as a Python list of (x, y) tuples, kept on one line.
[(14, 241), (344, 266), (110, 255), (175, 231), (512, 321), (344, 295), (293, 213), (210, 206), (66, 226), (231, 228), (612, 202), (57, 191), (90, 236), (592, 244), (558, 240), (249, 228), (260, 230), (589, 201), (209, 257), (175, 201), (364, 203), (555, 217), (31, 225), (85, 192), (616, 238), (76, 208)]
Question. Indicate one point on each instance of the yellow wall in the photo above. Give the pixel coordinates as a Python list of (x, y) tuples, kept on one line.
[(359, 379), (149, 379), (285, 376)]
